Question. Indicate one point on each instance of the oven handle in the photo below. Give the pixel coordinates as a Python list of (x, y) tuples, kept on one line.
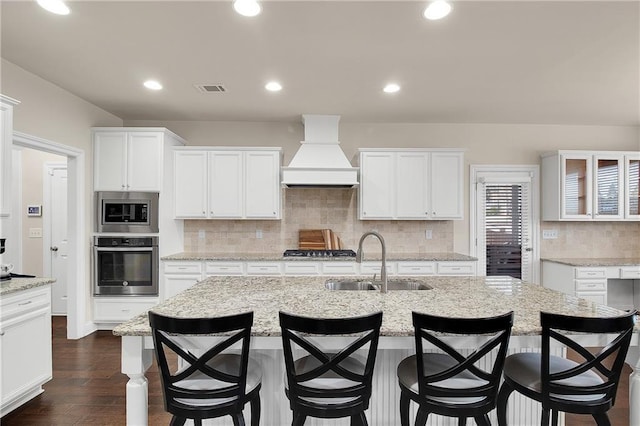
[(125, 248)]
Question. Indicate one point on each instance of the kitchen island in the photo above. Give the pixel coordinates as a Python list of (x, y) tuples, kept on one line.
[(266, 296)]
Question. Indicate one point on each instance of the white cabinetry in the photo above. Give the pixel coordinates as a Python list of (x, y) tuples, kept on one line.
[(227, 184), (179, 276), (110, 311), (589, 185), (130, 159), (6, 143), (25, 346), (586, 282), (415, 184)]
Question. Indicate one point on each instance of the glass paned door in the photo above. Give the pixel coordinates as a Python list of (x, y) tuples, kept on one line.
[(608, 174), (633, 182), (576, 200)]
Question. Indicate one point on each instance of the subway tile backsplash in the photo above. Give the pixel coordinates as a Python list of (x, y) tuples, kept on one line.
[(307, 208)]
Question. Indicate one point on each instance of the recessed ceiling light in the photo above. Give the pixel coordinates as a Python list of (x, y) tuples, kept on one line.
[(273, 86), (437, 10), (153, 85), (247, 7), (54, 6), (391, 88)]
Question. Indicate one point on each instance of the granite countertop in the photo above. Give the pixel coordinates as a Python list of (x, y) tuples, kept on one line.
[(450, 296), (596, 261), (442, 257), (15, 285)]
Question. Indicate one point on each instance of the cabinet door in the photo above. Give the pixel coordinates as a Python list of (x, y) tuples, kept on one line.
[(446, 185), (226, 189), (631, 184), (377, 185), (608, 183), (262, 185), (190, 184), (412, 193), (109, 159), (144, 161), (174, 284), (576, 185), (25, 353), (6, 138)]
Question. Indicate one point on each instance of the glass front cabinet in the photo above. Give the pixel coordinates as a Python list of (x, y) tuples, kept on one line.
[(590, 185)]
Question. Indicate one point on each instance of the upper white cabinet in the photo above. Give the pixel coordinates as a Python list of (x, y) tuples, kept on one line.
[(227, 183), (6, 142), (130, 159), (589, 185), (411, 184)]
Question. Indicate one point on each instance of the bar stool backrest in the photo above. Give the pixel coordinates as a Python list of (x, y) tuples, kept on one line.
[(178, 336), (607, 363), (429, 328)]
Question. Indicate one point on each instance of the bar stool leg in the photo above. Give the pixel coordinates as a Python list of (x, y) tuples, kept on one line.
[(404, 409)]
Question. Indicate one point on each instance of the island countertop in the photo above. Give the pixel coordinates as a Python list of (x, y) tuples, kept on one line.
[(450, 296), (427, 257), (15, 285)]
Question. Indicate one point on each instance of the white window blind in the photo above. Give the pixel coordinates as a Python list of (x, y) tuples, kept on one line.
[(608, 187), (507, 229)]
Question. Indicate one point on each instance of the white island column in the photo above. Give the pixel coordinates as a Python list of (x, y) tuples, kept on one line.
[(136, 360)]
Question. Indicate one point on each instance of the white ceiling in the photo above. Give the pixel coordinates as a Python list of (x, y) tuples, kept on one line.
[(548, 62)]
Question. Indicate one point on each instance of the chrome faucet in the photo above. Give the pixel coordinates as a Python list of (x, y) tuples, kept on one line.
[(383, 271)]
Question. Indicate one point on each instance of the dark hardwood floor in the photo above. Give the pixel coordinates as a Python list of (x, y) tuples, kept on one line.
[(88, 389)]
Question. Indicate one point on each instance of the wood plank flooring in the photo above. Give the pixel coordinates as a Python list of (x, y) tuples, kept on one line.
[(88, 389)]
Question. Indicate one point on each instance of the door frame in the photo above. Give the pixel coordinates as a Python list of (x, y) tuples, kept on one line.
[(534, 172), (77, 287), (48, 168)]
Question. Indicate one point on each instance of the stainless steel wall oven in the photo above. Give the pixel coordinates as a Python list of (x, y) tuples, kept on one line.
[(125, 266), (127, 212)]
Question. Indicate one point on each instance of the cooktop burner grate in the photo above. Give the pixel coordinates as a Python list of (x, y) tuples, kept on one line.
[(319, 253)]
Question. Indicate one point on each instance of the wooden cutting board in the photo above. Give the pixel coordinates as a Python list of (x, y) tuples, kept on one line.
[(318, 239)]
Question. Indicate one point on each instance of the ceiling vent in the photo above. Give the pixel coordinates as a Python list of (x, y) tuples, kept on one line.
[(210, 88)]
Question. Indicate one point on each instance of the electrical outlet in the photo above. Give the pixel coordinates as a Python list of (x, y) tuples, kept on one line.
[(549, 234), (201, 234), (259, 234), (428, 234), (35, 232)]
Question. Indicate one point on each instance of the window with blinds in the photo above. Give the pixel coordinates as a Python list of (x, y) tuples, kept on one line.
[(504, 229)]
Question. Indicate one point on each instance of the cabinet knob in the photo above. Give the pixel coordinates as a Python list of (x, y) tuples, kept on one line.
[(2, 333), (122, 185)]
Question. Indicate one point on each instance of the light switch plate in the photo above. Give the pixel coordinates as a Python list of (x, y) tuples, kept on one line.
[(549, 234), (201, 234), (428, 234), (258, 233), (35, 232)]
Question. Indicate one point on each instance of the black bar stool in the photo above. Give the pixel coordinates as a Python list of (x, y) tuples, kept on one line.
[(213, 382), (449, 383), (560, 384), (329, 384)]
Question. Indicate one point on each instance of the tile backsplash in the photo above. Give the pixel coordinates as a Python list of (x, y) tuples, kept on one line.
[(334, 209), (591, 239)]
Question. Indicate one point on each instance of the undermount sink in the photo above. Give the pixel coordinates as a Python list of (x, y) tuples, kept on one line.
[(375, 285)]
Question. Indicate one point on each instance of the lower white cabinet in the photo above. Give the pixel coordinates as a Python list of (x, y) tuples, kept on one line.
[(264, 268), (110, 311), (179, 276), (25, 346), (586, 282)]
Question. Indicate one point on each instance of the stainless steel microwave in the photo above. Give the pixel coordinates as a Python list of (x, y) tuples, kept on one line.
[(127, 212)]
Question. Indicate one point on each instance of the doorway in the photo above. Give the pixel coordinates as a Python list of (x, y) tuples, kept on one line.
[(55, 243), (504, 222), (77, 265)]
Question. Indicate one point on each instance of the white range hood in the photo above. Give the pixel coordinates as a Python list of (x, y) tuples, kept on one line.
[(320, 162)]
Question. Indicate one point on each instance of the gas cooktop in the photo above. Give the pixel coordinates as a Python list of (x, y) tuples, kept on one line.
[(319, 253)]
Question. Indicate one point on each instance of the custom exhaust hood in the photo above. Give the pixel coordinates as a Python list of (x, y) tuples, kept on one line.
[(319, 161)]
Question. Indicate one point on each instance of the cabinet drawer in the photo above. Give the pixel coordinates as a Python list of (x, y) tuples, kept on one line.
[(417, 268), (25, 301), (301, 268), (630, 272), (456, 268), (596, 297), (582, 273), (591, 285), (224, 268), (339, 268), (183, 268), (367, 268), (116, 310), (264, 268)]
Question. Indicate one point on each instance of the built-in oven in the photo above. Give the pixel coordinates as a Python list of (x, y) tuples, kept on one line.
[(125, 266), (127, 212)]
